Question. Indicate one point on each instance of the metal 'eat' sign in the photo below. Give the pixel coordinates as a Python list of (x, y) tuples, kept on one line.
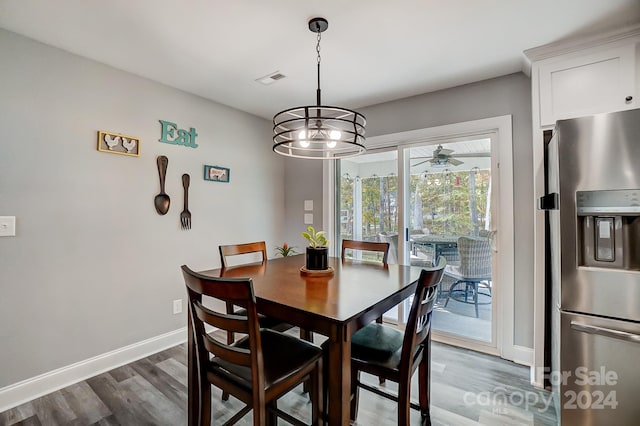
[(174, 136)]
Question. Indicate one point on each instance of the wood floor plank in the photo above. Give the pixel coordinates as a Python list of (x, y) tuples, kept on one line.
[(163, 382), (29, 421), (160, 409), (17, 414), (53, 410), (86, 405), (152, 391), (107, 421), (175, 369), (124, 408), (122, 373)]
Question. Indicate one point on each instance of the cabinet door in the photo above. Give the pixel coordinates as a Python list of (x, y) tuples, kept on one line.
[(589, 84)]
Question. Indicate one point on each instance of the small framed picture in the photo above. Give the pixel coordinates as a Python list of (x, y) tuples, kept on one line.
[(116, 143), (216, 173)]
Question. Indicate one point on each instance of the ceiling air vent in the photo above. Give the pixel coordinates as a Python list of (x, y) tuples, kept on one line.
[(271, 78)]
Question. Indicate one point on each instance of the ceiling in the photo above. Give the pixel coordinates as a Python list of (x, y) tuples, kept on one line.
[(374, 50)]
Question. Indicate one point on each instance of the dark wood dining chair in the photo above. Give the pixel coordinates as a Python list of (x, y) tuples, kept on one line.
[(257, 369), (259, 247), (386, 352), (229, 250), (376, 247), (366, 246)]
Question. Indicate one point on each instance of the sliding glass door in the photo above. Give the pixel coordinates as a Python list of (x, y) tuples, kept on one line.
[(450, 215), (368, 204), (429, 200)]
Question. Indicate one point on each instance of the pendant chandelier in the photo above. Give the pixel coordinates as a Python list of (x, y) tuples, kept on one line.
[(319, 131)]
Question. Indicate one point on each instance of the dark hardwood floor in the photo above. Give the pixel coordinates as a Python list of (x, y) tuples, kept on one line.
[(468, 388)]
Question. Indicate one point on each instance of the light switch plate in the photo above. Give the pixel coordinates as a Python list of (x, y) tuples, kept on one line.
[(308, 205), (7, 226), (308, 218)]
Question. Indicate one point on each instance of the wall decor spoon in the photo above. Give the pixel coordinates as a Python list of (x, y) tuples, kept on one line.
[(162, 200)]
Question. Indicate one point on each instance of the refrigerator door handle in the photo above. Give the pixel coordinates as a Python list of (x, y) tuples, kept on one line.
[(608, 332), (549, 202)]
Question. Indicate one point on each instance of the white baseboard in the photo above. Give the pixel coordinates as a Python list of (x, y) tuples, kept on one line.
[(29, 389)]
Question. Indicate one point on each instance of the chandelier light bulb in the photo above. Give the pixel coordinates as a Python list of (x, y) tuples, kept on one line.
[(302, 137), (332, 144), (335, 135)]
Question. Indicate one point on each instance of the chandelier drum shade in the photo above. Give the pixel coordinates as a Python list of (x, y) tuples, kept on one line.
[(319, 131)]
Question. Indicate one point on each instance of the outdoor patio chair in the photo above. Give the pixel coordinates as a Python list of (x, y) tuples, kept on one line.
[(473, 274)]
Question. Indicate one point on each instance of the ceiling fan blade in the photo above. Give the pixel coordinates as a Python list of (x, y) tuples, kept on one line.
[(454, 162), (443, 151), (472, 155), (421, 162)]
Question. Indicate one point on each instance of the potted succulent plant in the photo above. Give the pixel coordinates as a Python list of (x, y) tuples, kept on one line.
[(317, 258)]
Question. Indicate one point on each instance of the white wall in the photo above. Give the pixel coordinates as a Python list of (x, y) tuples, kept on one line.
[(93, 266), (508, 95)]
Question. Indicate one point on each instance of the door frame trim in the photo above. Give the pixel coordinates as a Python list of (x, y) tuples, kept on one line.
[(502, 125)]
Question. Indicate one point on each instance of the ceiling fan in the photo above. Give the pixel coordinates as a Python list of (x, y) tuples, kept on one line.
[(442, 157)]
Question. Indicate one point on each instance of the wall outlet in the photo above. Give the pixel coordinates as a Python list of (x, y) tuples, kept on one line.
[(177, 306), (7, 226)]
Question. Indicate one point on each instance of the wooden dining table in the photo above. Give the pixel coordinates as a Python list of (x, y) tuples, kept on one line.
[(334, 305)]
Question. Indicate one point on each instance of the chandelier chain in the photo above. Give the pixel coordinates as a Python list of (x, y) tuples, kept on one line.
[(318, 46)]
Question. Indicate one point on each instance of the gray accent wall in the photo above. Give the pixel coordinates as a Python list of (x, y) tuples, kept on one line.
[(93, 267), (303, 181), (507, 95)]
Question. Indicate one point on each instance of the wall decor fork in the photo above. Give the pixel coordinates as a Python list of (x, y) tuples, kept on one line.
[(185, 216)]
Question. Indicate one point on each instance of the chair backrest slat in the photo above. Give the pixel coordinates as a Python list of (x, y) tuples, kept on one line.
[(230, 322), (233, 354), (245, 248), (366, 246), (229, 290), (419, 321)]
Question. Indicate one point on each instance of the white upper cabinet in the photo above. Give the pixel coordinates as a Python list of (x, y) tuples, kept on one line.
[(584, 78), (588, 84)]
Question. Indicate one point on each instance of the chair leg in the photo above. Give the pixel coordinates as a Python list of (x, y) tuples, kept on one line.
[(424, 381), (404, 403), (231, 337), (380, 379), (452, 288), (205, 402), (308, 336), (475, 296), (271, 416), (316, 395), (355, 378)]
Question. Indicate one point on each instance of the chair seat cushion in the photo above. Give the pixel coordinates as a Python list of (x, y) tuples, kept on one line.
[(376, 342), (283, 355), (454, 271)]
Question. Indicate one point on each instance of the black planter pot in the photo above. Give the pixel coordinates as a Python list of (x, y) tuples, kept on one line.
[(317, 258)]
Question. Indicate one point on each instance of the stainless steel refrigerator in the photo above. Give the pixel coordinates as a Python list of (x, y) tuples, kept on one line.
[(593, 175)]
